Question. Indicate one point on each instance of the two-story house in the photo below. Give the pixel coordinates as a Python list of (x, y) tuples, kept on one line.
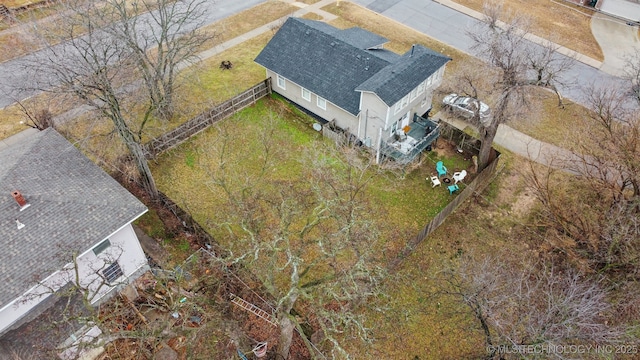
[(347, 77)]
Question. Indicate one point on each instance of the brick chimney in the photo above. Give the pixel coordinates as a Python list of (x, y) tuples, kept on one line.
[(19, 198)]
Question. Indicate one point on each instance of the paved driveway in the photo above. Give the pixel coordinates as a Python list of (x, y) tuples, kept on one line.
[(617, 41)]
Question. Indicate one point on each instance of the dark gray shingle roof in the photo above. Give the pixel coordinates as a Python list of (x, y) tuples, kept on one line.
[(320, 62), (335, 63), (73, 206), (398, 79)]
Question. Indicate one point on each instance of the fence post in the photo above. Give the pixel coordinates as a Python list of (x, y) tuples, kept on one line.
[(208, 117)]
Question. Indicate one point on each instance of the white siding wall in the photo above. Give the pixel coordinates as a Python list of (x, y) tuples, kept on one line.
[(419, 103), (125, 247), (373, 117)]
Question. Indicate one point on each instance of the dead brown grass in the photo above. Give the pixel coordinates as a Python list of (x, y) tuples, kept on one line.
[(246, 21), (550, 123), (566, 24), (16, 3)]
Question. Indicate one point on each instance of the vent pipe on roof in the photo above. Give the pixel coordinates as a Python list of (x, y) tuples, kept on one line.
[(20, 200), (412, 47), (20, 225)]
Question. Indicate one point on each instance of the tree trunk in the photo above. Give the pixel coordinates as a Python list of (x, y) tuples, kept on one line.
[(143, 167), (137, 152), (286, 321), (488, 135), (286, 335)]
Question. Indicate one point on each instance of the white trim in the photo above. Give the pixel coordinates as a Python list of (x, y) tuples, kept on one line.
[(386, 119), (303, 91), (113, 233), (324, 102), (280, 78), (43, 281), (397, 107), (405, 101), (329, 102), (12, 302)]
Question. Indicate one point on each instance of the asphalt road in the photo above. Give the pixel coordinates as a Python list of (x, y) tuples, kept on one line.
[(15, 76), (450, 27), (429, 17)]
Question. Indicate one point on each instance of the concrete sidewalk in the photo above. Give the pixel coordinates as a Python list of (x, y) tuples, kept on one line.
[(507, 137), (304, 9), (531, 37), (521, 144), (217, 49)]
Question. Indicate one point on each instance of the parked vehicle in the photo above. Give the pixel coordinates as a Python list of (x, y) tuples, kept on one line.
[(466, 106)]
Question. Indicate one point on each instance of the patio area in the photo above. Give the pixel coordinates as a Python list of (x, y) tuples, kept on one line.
[(420, 134)]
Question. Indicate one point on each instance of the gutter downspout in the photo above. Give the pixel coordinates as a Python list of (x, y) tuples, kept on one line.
[(379, 142)]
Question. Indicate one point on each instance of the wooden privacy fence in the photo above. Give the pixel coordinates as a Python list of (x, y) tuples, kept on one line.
[(207, 118), (478, 184)]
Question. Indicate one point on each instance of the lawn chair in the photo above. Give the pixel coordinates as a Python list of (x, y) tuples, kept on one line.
[(435, 181), (441, 169), (453, 188), (459, 176)]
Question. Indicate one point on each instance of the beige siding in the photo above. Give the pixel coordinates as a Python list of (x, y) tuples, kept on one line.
[(293, 92), (375, 116)]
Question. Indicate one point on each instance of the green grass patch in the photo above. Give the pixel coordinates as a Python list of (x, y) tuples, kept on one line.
[(407, 202)]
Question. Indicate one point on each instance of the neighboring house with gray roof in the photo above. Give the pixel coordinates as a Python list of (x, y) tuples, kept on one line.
[(55, 204), (347, 77)]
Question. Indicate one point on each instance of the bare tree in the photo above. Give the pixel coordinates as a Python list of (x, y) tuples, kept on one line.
[(632, 74), (36, 118), (162, 36), (97, 68), (519, 63), (531, 305), (309, 242), (101, 48), (598, 210)]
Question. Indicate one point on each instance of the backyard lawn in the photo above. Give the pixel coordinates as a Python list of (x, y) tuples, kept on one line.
[(408, 201), (405, 202), (417, 320)]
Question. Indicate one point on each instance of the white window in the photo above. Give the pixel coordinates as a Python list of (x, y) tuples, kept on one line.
[(101, 247), (414, 94), (429, 80), (405, 101), (112, 273), (306, 94), (397, 125), (421, 87), (322, 103), (397, 108), (282, 82)]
